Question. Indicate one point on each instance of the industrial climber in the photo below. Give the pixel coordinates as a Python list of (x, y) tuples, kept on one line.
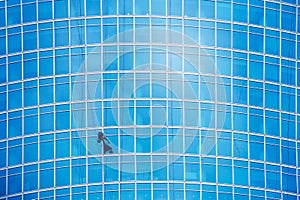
[(102, 138)]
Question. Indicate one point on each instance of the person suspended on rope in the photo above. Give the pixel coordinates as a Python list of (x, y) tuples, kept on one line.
[(102, 138)]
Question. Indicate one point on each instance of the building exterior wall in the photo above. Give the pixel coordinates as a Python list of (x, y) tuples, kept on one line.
[(199, 99)]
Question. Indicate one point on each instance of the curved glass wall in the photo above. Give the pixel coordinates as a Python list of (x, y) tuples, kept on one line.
[(197, 99)]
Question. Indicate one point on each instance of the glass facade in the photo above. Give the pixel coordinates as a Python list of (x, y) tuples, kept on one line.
[(198, 99)]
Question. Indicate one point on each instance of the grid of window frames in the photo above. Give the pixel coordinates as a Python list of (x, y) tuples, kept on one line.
[(45, 49)]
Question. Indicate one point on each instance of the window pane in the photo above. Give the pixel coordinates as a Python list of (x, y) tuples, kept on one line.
[(256, 15), (207, 9), (61, 37), (240, 13), (13, 15), (45, 39), (30, 41), (256, 43), (30, 96), (109, 7), (240, 40), (158, 10), (29, 12), (14, 43), (45, 10), (142, 7), (272, 18), (223, 10), (46, 178), (92, 7), (125, 7), (175, 7), (61, 9)]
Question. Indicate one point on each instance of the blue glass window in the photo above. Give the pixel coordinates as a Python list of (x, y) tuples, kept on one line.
[(289, 182), (30, 41), (240, 13), (240, 40), (30, 69), (77, 35), (61, 9), (272, 72), (272, 45), (46, 178), (62, 120), (15, 99), (61, 37), (289, 20), (256, 15), (272, 126), (45, 10), (240, 122), (2, 101), (31, 152), (224, 174), (272, 18), (257, 178), (191, 8), (14, 43), (175, 8), (46, 94), (256, 43), (30, 124), (288, 48), (288, 75), (223, 10), (14, 184), (224, 66), (109, 30), (62, 176), (2, 17), (273, 180), (256, 148), (288, 102), (2, 45), (126, 7), (30, 96), (46, 66), (78, 174), (207, 9), (29, 12), (207, 37), (93, 34), (45, 38), (3, 186), (109, 7), (77, 8), (240, 94), (256, 97), (14, 127), (92, 7), (272, 99), (158, 10), (46, 123), (240, 68), (15, 71), (62, 65), (13, 15), (94, 175), (240, 144), (208, 173), (223, 38), (241, 176), (62, 92), (15, 155)]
